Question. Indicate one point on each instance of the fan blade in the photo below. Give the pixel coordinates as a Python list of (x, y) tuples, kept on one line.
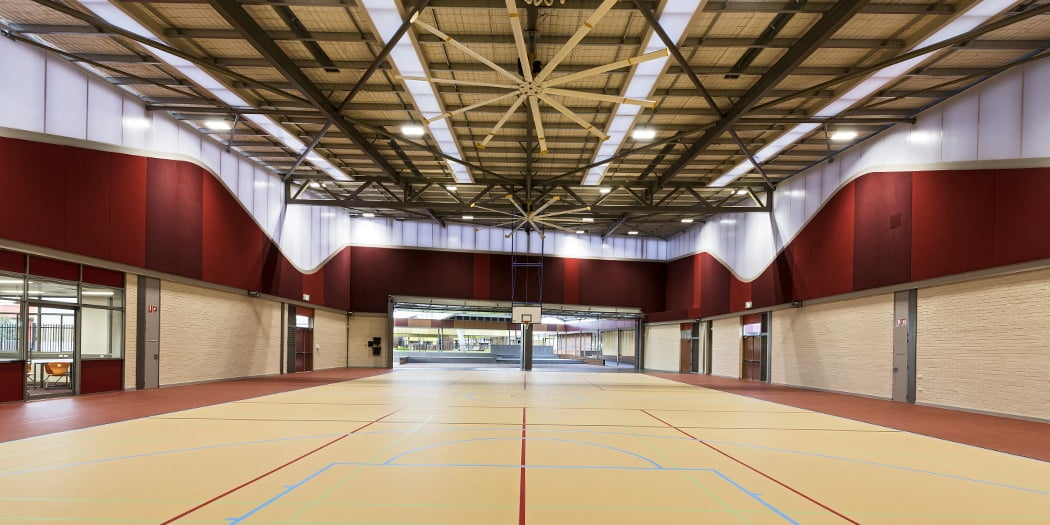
[(501, 212), (608, 67), (518, 206), (574, 117), (569, 46), (457, 82), (477, 56), (470, 107), (546, 205), (556, 226), (534, 105), (564, 212), (519, 40), (602, 98), (503, 120)]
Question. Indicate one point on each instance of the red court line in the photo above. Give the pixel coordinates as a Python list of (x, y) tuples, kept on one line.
[(763, 474), (257, 478), (521, 484)]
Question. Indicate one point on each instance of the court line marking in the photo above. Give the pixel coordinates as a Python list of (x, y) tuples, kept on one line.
[(763, 474), (245, 484), (521, 482)]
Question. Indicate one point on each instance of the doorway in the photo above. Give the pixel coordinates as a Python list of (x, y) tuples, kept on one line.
[(755, 332), (303, 338), (52, 336)]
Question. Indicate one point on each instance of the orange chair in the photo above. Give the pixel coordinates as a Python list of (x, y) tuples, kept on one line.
[(29, 372), (57, 370)]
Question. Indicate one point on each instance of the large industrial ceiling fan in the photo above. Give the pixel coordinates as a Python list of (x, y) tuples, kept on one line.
[(538, 219), (542, 86)]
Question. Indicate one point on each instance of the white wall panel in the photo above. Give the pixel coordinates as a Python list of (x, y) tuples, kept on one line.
[(136, 127), (959, 133), (22, 86), (1000, 119), (189, 141), (165, 134), (1035, 138), (65, 100), (211, 155), (925, 138), (105, 108), (228, 170)]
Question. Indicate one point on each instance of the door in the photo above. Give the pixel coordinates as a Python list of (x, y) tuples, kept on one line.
[(147, 361), (53, 350), (304, 349), (754, 343), (904, 305)]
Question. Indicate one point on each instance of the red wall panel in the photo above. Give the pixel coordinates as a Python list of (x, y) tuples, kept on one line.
[(90, 274), (821, 255), (101, 375), (233, 248), (279, 277), (379, 272), (337, 280), (29, 209), (739, 293), (1022, 216), (774, 285), (188, 227), (162, 217), (952, 231), (882, 230), (681, 281), (499, 277), (53, 268), (313, 285), (714, 286), (571, 285), (554, 280), (12, 377), (127, 213), (623, 283), (87, 203), (12, 262), (482, 275)]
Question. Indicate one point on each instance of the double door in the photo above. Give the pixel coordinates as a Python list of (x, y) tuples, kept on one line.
[(52, 340)]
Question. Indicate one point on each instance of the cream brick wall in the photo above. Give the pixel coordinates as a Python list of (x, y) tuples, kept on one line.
[(363, 327), (131, 299), (845, 346), (663, 345), (726, 347), (985, 345), (329, 340), (207, 335)]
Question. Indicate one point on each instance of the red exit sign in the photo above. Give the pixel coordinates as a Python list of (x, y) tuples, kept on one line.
[(152, 309)]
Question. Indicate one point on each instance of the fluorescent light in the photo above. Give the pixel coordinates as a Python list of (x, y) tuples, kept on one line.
[(687, 221), (975, 16), (588, 219), (580, 232), (451, 188), (100, 293), (218, 125), (741, 192), (632, 232), (10, 281), (843, 135), (604, 190), (412, 130), (643, 134), (368, 215), (674, 19), (468, 217), (386, 17)]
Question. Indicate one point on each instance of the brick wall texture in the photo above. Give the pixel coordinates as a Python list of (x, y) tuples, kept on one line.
[(363, 327), (329, 340), (726, 347), (207, 335), (845, 346), (662, 347), (131, 301), (985, 344)]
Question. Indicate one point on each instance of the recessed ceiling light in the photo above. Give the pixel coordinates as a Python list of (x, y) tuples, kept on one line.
[(687, 221), (843, 135), (468, 217), (643, 134), (580, 232), (741, 192), (603, 191), (218, 125), (368, 214), (632, 232), (451, 188), (412, 130), (588, 219)]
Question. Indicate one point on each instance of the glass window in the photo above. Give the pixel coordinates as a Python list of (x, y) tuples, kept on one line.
[(101, 333), (102, 296), (50, 291), (11, 286), (10, 328)]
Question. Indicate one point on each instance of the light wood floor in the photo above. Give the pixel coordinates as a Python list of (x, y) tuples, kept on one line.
[(505, 447)]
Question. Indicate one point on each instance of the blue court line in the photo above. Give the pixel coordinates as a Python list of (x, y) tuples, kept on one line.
[(162, 453), (288, 489)]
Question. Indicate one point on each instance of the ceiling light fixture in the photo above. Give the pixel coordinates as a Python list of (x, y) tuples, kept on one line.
[(975, 16), (588, 219), (604, 190), (643, 134), (468, 217), (843, 135), (674, 19), (218, 125), (386, 17), (106, 10), (632, 232), (580, 232), (687, 221), (411, 130), (451, 188), (368, 215)]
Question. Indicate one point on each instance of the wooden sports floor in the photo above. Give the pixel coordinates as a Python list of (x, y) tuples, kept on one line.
[(506, 447)]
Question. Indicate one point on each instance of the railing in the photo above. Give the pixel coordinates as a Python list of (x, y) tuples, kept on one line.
[(56, 339), (9, 339)]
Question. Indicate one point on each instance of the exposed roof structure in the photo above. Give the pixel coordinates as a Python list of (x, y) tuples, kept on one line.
[(633, 114)]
